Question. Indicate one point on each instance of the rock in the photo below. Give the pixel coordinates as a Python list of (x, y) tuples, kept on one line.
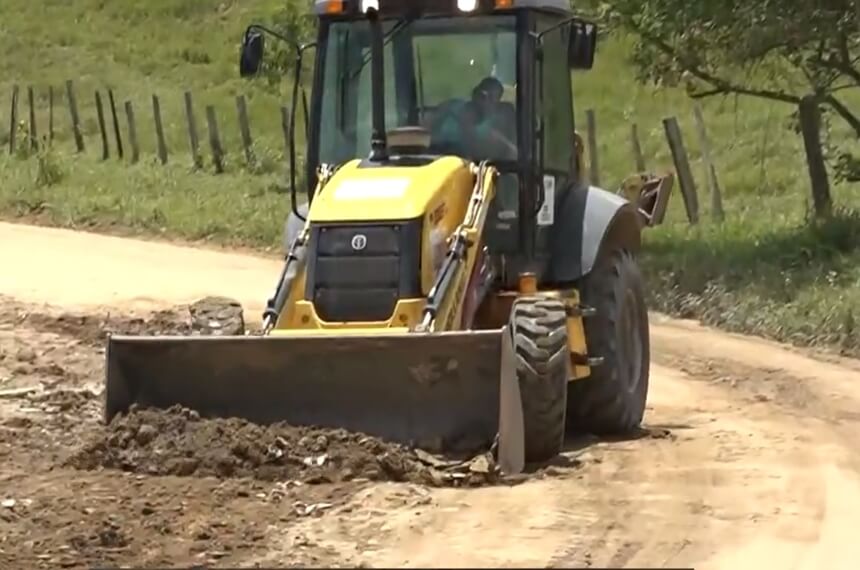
[(203, 535), (317, 461), (26, 355), (191, 415), (18, 422), (307, 510), (145, 434), (274, 453), (432, 460), (482, 464)]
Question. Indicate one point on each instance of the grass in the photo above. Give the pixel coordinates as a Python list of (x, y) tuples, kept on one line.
[(139, 49), (771, 275), (171, 202), (766, 270)]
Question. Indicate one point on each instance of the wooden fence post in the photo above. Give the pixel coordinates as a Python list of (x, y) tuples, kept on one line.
[(116, 132), (102, 127), (215, 140), (285, 126), (192, 131), (682, 166), (31, 102), (638, 158), (76, 120), (50, 115), (132, 133), (711, 180), (13, 119), (245, 129), (159, 130), (593, 162)]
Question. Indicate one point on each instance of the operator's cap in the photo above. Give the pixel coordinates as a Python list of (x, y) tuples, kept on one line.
[(489, 84)]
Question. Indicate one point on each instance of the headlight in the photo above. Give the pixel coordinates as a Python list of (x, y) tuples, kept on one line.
[(467, 5)]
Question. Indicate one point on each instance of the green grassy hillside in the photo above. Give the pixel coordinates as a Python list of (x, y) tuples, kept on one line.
[(139, 48), (764, 270)]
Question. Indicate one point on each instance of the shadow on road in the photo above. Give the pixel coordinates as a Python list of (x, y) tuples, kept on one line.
[(576, 445)]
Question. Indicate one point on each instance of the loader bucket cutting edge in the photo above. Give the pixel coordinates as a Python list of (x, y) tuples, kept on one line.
[(439, 390)]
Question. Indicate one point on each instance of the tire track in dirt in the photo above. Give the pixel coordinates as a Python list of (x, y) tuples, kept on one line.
[(744, 482), (814, 402), (644, 502)]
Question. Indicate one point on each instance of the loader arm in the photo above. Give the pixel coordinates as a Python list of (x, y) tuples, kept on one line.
[(446, 300), (294, 263)]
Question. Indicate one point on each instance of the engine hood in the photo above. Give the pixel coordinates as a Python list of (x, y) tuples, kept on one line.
[(362, 192)]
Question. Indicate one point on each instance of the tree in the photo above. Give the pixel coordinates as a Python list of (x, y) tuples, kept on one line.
[(799, 52)]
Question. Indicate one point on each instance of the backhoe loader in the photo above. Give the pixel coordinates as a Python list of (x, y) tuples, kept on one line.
[(451, 280)]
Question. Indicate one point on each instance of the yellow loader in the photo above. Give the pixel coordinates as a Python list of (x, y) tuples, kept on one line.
[(450, 281)]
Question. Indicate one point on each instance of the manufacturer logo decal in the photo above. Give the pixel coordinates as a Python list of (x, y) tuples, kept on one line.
[(359, 242), (439, 213)]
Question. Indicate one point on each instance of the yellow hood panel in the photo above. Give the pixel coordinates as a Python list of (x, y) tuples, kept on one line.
[(384, 193)]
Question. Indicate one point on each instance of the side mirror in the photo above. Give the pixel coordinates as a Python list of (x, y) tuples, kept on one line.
[(251, 58), (582, 46)]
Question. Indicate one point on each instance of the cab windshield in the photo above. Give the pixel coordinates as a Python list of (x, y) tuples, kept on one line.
[(455, 77)]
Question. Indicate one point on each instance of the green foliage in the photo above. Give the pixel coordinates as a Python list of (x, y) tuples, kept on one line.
[(173, 201), (140, 48), (779, 50), (768, 37), (779, 277), (49, 170)]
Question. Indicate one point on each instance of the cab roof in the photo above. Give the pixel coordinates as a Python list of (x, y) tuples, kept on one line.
[(396, 7)]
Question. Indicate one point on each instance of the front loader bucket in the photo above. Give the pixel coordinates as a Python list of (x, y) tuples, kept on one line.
[(439, 390)]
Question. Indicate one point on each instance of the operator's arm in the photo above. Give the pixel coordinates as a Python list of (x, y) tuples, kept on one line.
[(488, 135)]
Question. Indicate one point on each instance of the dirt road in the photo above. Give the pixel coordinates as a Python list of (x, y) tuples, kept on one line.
[(749, 458)]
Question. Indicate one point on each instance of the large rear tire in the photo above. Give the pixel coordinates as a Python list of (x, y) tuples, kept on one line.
[(540, 341), (612, 400)]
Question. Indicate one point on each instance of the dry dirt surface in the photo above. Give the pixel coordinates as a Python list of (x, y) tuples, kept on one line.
[(749, 456)]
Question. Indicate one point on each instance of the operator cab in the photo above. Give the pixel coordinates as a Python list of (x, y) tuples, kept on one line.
[(468, 72), (454, 77), (409, 81)]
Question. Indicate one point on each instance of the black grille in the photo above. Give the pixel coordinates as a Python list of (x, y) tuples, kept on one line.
[(358, 272)]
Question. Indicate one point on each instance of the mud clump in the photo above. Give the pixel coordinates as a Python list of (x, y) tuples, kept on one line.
[(65, 400), (207, 316), (93, 330), (178, 442)]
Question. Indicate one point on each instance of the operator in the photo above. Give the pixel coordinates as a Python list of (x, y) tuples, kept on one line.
[(476, 127)]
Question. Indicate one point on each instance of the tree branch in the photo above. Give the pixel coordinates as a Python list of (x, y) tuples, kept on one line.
[(841, 62), (844, 112), (720, 85)]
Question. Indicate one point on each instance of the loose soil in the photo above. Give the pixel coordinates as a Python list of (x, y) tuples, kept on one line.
[(749, 458), (163, 487), (178, 442)]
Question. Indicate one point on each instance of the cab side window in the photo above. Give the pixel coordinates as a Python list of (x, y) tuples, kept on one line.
[(557, 110)]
